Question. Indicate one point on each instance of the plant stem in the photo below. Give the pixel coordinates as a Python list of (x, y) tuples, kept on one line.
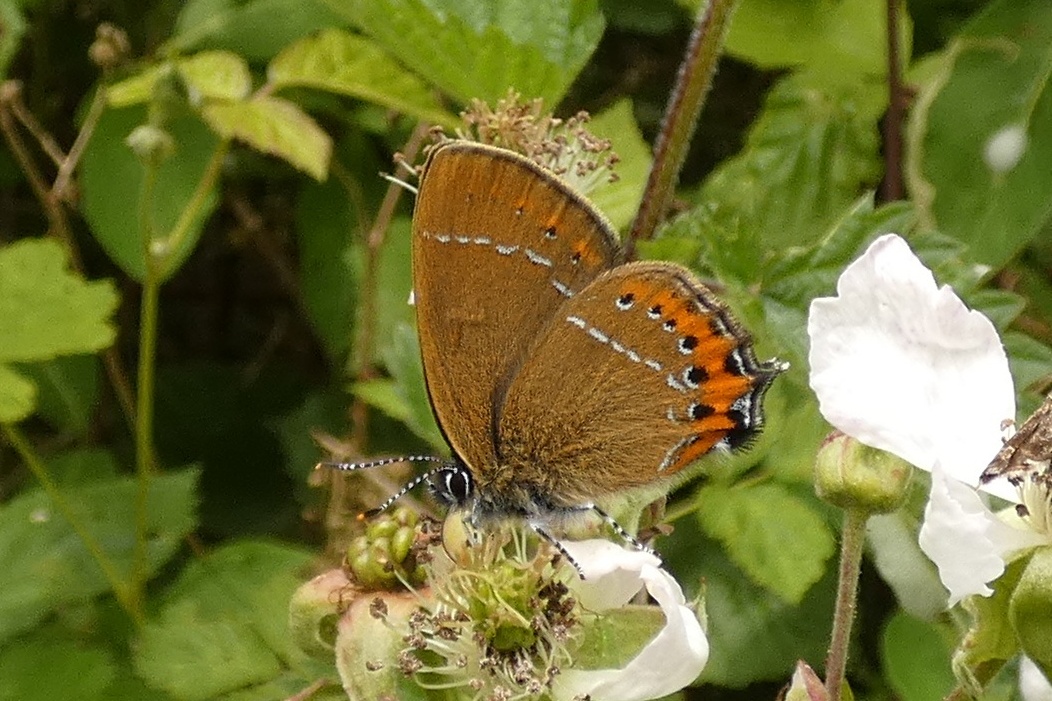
[(174, 239), (852, 541), (58, 224), (148, 312), (64, 507), (892, 187), (365, 348), (69, 163), (681, 116), (50, 202)]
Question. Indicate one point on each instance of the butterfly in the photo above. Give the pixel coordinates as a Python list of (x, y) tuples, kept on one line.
[(559, 374)]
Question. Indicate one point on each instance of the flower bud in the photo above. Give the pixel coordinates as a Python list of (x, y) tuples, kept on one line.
[(110, 48), (314, 612), (1030, 609), (151, 144), (806, 686), (385, 556), (851, 475), (371, 655)]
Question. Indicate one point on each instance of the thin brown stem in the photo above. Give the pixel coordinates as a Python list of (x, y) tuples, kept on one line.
[(681, 117), (892, 188), (58, 223), (69, 163), (374, 242), (49, 198), (365, 346), (28, 120), (853, 539)]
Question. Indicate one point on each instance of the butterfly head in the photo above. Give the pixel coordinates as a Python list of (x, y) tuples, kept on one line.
[(453, 486)]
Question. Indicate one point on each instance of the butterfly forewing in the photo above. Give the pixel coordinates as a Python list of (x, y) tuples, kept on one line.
[(498, 245), (634, 378)]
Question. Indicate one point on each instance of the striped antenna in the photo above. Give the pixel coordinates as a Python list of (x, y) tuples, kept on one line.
[(352, 466), (408, 487)]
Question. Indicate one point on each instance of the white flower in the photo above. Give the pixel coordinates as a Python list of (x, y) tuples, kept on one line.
[(670, 661), (903, 365), (1033, 686)]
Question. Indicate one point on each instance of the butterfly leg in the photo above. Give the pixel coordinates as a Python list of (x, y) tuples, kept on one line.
[(539, 530), (621, 532)]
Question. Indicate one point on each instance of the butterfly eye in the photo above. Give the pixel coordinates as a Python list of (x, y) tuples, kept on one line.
[(453, 486)]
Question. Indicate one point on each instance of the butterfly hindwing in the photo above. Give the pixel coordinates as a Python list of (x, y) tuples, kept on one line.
[(634, 378)]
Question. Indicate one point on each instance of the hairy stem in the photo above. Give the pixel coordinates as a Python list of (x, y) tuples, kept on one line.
[(853, 540), (681, 117), (893, 181)]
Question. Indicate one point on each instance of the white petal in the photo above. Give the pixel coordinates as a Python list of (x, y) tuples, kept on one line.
[(965, 540), (1033, 686), (611, 572), (670, 661), (904, 365)]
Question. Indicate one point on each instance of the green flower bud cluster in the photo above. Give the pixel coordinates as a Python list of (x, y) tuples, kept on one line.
[(390, 554)]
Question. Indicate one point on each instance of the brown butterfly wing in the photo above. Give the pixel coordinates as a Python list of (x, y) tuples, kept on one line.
[(498, 244), (636, 376)]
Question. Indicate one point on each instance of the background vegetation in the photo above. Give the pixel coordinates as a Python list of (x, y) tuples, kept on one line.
[(202, 274)]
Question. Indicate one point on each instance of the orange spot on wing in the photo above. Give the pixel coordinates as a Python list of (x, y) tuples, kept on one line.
[(587, 254), (694, 451)]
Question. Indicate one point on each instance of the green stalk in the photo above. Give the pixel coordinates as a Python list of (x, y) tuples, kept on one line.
[(853, 540), (109, 570), (144, 402)]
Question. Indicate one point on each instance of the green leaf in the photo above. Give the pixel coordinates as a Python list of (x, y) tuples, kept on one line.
[(805, 160), (46, 565), (620, 200), (328, 229), (1030, 360), (752, 522), (1000, 306), (73, 671), (382, 393), (395, 283), (255, 29), (347, 64), (840, 39), (112, 178), (402, 358), (222, 626), (46, 311), (993, 77), (216, 75), (12, 27), (319, 412), (753, 636), (990, 641), (801, 274), (481, 48), (916, 659), (18, 396), (275, 126), (68, 390)]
